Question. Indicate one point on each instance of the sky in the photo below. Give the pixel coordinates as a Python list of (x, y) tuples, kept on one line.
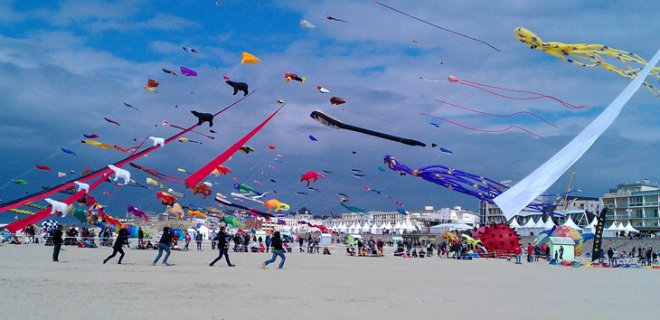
[(68, 64)]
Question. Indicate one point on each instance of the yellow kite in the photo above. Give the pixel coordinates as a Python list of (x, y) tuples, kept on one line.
[(248, 58)]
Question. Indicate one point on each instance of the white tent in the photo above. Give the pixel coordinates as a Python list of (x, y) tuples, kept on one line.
[(514, 224), (548, 224), (569, 223), (611, 231), (375, 229), (629, 228), (342, 227), (441, 228), (409, 227), (528, 228), (539, 225), (620, 227), (366, 228), (353, 228)]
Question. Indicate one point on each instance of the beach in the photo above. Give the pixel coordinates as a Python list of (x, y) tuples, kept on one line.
[(310, 287)]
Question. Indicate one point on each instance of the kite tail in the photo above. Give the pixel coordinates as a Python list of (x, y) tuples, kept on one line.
[(534, 95), (495, 114), (482, 130)]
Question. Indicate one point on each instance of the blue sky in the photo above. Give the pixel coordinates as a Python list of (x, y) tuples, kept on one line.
[(69, 64)]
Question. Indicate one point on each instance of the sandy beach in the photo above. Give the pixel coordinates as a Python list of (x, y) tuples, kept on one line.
[(311, 287)]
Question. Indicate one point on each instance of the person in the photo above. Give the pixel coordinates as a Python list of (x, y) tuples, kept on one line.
[(537, 253), (277, 251), (301, 242), (530, 251), (649, 256), (140, 236), (561, 253), (57, 243), (117, 247), (268, 242), (223, 248), (198, 238), (326, 251), (164, 245), (187, 239), (610, 256), (518, 258)]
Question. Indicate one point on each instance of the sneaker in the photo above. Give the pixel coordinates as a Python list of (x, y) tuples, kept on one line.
[(263, 265), (104, 261), (232, 265), (210, 265), (153, 264), (166, 264)]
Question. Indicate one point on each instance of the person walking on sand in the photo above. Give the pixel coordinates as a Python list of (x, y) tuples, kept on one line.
[(223, 247), (57, 243), (121, 238), (199, 238), (140, 237), (278, 250), (164, 245), (300, 242), (187, 239)]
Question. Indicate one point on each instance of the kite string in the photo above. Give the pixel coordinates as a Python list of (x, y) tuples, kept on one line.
[(496, 114), (435, 25), (482, 130)]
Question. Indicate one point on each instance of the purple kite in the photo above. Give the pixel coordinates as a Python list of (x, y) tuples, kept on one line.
[(188, 72)]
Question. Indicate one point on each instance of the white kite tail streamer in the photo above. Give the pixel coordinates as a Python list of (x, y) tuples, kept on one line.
[(527, 190)]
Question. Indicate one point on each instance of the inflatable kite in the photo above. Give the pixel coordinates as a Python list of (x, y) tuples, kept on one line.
[(176, 210), (337, 101), (203, 189), (71, 152), (591, 55), (237, 86), (275, 205), (322, 89), (137, 212), (292, 76), (203, 117), (112, 121), (228, 203), (165, 198), (152, 85), (337, 124), (310, 176), (170, 72)]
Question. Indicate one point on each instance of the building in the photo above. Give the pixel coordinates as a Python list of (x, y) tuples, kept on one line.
[(637, 202), (580, 208)]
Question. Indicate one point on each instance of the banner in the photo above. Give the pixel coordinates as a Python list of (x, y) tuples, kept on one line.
[(598, 236)]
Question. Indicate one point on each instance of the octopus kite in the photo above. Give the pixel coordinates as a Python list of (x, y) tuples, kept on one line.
[(590, 55)]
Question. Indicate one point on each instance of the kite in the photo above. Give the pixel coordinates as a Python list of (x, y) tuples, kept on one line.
[(19, 181), (337, 101), (181, 170), (68, 151), (170, 72), (447, 151), (302, 193), (137, 212), (482, 130), (176, 210), (335, 19), (293, 76), (280, 101), (312, 138), (112, 121), (276, 205), (182, 139), (105, 145), (247, 189), (246, 149), (155, 183), (435, 25), (189, 49), (353, 209), (188, 72), (221, 170), (193, 131), (248, 58), (337, 124), (61, 174), (591, 55), (228, 203), (306, 24), (42, 167), (197, 213), (271, 147), (523, 94), (203, 117), (203, 189), (359, 175), (91, 136), (528, 189), (157, 174), (238, 86), (165, 198), (313, 189), (152, 85), (401, 211), (310, 176), (131, 106), (322, 89), (496, 114)]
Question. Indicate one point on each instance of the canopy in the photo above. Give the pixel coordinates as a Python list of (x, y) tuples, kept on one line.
[(441, 228), (514, 223), (569, 223), (613, 227), (366, 228), (548, 224), (630, 228), (539, 223)]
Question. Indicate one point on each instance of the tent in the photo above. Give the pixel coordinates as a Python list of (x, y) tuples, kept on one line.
[(514, 224), (366, 228), (629, 228), (441, 228), (612, 231), (569, 223), (548, 224), (539, 225), (528, 228), (591, 228), (375, 229)]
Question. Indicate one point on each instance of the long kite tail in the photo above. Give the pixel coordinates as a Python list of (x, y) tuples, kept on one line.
[(100, 172), (200, 174), (496, 114), (482, 130)]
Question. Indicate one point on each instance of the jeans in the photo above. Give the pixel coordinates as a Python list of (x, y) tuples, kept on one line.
[(161, 247), (276, 253), (518, 259), (56, 252), (225, 252)]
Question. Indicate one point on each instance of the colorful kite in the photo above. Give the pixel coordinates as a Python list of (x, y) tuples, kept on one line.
[(292, 76), (248, 58)]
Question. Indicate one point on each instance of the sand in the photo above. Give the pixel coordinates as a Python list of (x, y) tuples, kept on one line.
[(311, 287)]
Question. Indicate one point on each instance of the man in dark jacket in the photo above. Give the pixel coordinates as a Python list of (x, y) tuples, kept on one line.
[(164, 245), (57, 243), (121, 238), (223, 247)]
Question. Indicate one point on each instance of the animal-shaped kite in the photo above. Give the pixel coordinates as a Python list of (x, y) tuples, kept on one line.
[(176, 210), (310, 176), (197, 213), (246, 149), (293, 76), (203, 117), (57, 206), (170, 72), (221, 170), (157, 141), (336, 19), (152, 85), (337, 101), (590, 55), (81, 186), (138, 212), (248, 58), (120, 173), (448, 235), (274, 204), (202, 189), (238, 86), (165, 198), (112, 121)]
